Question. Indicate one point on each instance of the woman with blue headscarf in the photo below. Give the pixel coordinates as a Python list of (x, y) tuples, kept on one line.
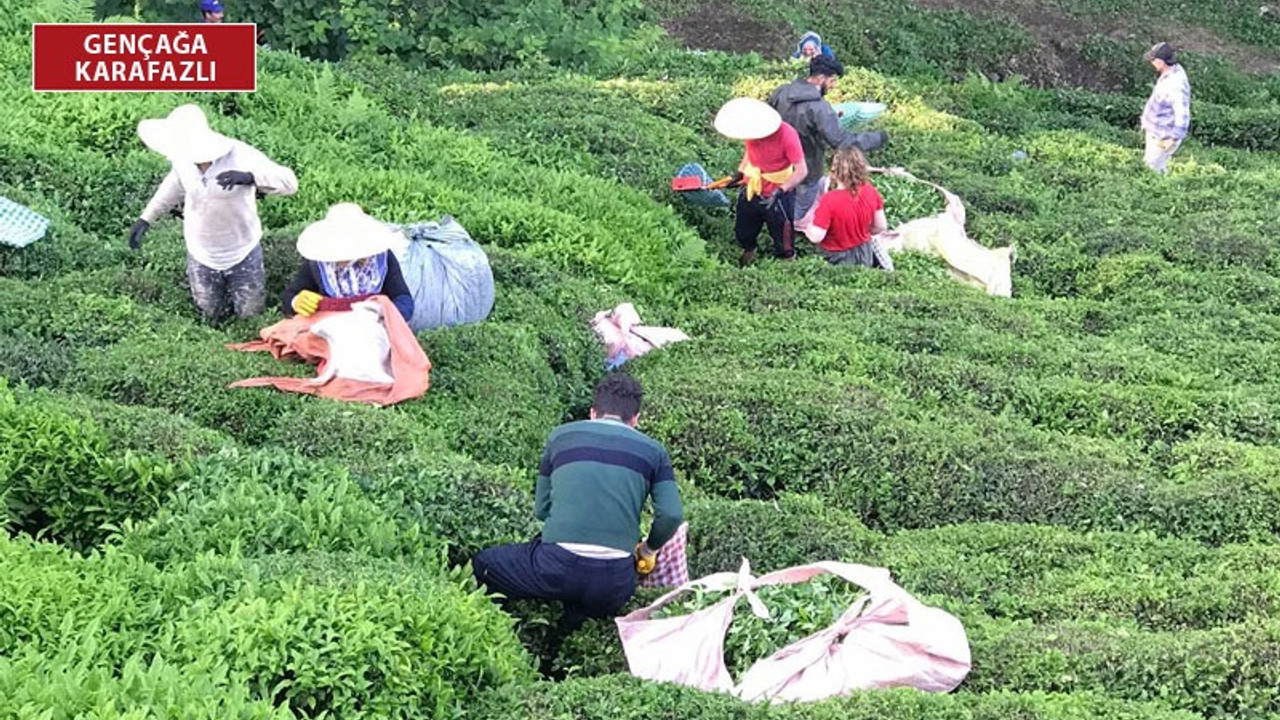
[(811, 45), (348, 258)]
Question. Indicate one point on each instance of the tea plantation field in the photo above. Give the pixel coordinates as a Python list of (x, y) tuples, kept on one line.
[(1087, 474)]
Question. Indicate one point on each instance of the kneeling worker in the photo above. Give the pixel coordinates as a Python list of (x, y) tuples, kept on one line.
[(593, 480), (347, 258), (217, 180)]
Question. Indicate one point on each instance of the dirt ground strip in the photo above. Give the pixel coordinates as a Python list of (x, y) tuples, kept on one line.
[(720, 25)]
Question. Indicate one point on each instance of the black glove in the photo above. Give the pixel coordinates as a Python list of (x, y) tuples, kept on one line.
[(866, 141), (136, 232), (232, 178)]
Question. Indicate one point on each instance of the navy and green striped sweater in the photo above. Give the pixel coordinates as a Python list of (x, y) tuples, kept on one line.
[(593, 481)]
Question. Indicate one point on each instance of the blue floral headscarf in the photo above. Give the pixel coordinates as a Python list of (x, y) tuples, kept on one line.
[(361, 277)]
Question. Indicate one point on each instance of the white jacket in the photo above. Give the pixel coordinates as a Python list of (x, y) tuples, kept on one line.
[(220, 227)]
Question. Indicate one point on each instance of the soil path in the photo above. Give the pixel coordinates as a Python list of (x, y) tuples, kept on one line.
[(720, 25)]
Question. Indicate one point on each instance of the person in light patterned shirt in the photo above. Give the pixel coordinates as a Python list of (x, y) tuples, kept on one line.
[(216, 180), (1167, 116)]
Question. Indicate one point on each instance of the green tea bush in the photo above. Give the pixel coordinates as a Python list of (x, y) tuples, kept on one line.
[(791, 530), (467, 505), (334, 634), (1141, 411), (1007, 570), (903, 39), (55, 599), (558, 307), (873, 385), (141, 429), (1228, 671), (82, 319), (188, 373), (1044, 573), (100, 196), (20, 364), (454, 33), (141, 689), (1216, 79), (65, 246), (174, 372), (250, 518), (398, 644), (1250, 128), (623, 698), (495, 394), (60, 479), (635, 131)]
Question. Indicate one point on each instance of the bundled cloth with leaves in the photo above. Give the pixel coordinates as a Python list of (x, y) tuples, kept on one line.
[(813, 632), (944, 235), (625, 338)]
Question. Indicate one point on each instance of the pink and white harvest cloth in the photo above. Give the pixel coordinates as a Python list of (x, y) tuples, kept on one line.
[(886, 639), (625, 338)]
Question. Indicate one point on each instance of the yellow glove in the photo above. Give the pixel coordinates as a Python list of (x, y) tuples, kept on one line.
[(646, 560), (306, 302), (1165, 144)]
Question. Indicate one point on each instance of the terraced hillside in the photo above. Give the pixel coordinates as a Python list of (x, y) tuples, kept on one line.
[(1087, 474)]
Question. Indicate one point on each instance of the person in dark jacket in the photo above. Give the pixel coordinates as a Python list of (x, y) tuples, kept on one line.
[(348, 258), (803, 105)]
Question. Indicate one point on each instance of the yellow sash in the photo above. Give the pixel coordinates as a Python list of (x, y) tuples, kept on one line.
[(755, 178)]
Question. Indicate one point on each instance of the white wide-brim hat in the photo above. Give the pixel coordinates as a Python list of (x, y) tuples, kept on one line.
[(746, 118), (346, 233), (184, 136)]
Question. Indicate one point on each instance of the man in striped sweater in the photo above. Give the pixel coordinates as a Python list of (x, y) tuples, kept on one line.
[(1167, 115), (594, 478)]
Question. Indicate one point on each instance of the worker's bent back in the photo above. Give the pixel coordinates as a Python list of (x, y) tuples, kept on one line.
[(593, 481)]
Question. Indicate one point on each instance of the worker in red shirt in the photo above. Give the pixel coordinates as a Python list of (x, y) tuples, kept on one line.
[(849, 217), (771, 168)]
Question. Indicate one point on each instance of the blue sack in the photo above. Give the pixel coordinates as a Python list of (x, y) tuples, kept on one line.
[(447, 272)]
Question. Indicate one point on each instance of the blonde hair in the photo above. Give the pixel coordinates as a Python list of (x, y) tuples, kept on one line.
[(849, 168)]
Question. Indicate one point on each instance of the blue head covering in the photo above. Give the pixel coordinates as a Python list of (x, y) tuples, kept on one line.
[(807, 38), (362, 277), (812, 38), (210, 6)]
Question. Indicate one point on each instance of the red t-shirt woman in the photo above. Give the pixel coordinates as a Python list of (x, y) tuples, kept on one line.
[(846, 218)]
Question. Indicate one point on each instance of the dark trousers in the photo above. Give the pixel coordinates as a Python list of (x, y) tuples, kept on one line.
[(242, 287), (780, 217), (588, 587)]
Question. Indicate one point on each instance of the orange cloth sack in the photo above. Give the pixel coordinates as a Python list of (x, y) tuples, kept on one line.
[(292, 338)]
